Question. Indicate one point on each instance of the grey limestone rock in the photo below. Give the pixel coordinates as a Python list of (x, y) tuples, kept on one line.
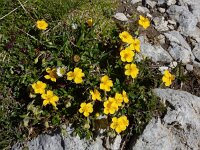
[(196, 68), (194, 6), (187, 21), (58, 142), (135, 1), (160, 24), (156, 53), (179, 48), (142, 9), (46, 142), (180, 53), (196, 51), (183, 16), (176, 37), (171, 2), (151, 3), (162, 10), (180, 127), (189, 67), (160, 2), (168, 2), (161, 39), (120, 16), (117, 142)]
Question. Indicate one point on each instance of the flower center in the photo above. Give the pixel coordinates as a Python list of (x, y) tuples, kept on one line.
[(38, 86)]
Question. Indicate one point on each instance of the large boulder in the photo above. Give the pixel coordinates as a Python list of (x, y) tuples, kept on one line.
[(178, 129)]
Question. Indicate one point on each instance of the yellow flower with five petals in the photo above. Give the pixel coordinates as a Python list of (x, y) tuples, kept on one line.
[(49, 98), (126, 37), (95, 95), (39, 87), (131, 70), (110, 106), (144, 22), (76, 75), (41, 24), (127, 55), (168, 78), (119, 124), (106, 83), (52, 75), (135, 45), (86, 109)]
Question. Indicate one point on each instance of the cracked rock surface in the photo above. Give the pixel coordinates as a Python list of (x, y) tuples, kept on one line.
[(58, 142), (180, 127)]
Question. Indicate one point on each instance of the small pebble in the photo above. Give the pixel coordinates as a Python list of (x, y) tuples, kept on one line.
[(173, 64), (162, 69), (189, 67), (162, 10), (171, 27), (142, 9), (135, 1), (161, 39), (172, 22), (120, 16)]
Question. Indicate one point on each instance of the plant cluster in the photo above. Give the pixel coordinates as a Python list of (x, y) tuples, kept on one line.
[(99, 95)]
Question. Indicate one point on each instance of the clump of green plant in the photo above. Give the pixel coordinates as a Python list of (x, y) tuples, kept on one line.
[(89, 83)]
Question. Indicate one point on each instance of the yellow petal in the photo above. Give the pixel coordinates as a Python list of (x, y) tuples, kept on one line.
[(70, 75), (47, 77), (81, 110), (78, 80), (53, 103), (86, 114), (53, 79), (45, 102)]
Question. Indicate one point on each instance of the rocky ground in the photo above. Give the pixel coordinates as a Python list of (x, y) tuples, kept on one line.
[(173, 37)]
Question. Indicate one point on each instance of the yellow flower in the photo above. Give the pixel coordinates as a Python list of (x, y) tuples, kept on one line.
[(123, 121), (95, 95), (144, 22), (76, 75), (89, 22), (106, 83), (52, 75), (135, 45), (125, 97), (168, 78), (41, 24), (126, 37), (39, 87), (119, 124), (86, 109), (118, 99), (127, 55), (131, 70), (49, 98), (110, 106), (115, 125)]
